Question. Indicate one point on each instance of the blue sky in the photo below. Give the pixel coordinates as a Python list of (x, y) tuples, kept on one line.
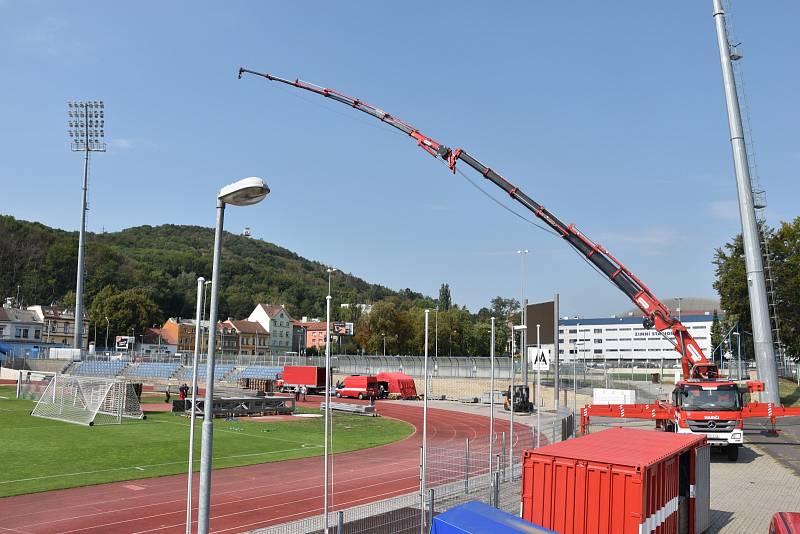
[(611, 114)]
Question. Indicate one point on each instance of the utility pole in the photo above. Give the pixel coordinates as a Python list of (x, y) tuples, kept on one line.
[(756, 284)]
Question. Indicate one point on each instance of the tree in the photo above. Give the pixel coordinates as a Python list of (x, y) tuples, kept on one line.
[(444, 297), (731, 283), (716, 330), (131, 309)]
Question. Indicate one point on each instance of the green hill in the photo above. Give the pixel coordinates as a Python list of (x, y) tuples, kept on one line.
[(162, 264)]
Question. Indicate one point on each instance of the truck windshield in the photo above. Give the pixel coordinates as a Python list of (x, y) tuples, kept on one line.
[(710, 398)]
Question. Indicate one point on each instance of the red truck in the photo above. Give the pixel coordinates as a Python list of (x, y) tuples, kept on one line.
[(359, 386), (295, 376)]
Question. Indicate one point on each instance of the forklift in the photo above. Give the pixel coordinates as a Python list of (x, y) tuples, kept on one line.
[(522, 399)]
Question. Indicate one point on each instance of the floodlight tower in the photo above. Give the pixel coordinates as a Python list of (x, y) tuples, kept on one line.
[(86, 131)]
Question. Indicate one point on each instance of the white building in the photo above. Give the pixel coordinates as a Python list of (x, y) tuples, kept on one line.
[(624, 338), (278, 323)]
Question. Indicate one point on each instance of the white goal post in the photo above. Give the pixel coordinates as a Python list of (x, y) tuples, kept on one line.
[(88, 400), (31, 384)]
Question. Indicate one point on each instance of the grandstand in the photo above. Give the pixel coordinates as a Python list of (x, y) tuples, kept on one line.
[(98, 368), (257, 371), (220, 370), (153, 370)]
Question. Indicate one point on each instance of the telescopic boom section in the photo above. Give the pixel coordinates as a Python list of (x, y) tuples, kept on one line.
[(656, 315)]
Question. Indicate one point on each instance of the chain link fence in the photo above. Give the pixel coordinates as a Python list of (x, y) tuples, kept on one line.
[(455, 475)]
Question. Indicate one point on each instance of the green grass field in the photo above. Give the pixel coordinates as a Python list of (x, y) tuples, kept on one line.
[(790, 392), (41, 454)]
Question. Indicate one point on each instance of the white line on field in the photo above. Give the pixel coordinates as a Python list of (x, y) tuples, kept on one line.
[(143, 467)]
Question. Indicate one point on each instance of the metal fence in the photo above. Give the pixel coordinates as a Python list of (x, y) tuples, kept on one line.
[(455, 475)]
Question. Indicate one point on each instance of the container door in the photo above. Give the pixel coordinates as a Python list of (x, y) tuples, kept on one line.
[(702, 489)]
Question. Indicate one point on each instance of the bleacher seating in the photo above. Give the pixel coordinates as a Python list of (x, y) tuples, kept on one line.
[(152, 370), (220, 370), (260, 371), (98, 368)]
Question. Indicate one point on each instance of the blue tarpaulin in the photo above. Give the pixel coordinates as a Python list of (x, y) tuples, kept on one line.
[(4, 349), (478, 518)]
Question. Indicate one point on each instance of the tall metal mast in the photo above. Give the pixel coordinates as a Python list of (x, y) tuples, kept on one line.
[(756, 285)]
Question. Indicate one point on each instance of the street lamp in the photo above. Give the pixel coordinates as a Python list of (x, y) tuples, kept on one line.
[(86, 131), (199, 311), (522, 350), (521, 329), (242, 193), (678, 309), (328, 422), (107, 325)]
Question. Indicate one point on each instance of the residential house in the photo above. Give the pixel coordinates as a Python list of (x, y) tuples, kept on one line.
[(180, 332), (252, 338), (59, 324), (19, 325), (277, 321)]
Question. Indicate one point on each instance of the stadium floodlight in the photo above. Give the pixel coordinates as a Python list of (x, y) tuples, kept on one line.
[(84, 137), (245, 192)]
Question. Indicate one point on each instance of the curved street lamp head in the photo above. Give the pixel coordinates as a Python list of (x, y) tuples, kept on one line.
[(245, 192)]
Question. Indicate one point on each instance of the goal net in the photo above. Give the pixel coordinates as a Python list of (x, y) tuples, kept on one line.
[(88, 401), (31, 384)]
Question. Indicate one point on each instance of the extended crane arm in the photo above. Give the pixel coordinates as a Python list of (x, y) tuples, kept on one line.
[(656, 315)]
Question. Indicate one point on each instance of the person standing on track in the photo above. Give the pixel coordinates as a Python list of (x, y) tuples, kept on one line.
[(304, 391)]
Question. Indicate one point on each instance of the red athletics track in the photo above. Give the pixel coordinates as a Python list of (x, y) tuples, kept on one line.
[(245, 498)]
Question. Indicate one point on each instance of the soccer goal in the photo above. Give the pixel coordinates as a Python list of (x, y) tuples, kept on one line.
[(31, 384), (88, 401)]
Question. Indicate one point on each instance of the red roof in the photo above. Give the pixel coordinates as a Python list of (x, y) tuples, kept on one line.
[(622, 446), (315, 326), (247, 327)]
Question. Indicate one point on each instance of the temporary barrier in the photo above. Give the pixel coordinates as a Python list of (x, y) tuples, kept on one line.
[(618, 481), (399, 383), (475, 517)]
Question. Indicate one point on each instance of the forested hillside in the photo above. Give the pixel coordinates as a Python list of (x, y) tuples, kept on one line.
[(156, 268)]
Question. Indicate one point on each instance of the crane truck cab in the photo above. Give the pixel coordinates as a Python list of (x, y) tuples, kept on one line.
[(713, 408)]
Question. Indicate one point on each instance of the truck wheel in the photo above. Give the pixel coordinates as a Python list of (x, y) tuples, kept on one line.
[(733, 452), (360, 396), (338, 395)]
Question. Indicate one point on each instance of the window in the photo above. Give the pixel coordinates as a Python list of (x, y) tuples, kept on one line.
[(598, 330), (597, 340), (598, 351), (2, 330), (573, 340), (573, 331), (612, 350), (611, 329), (18, 332), (25, 333), (561, 351), (560, 340), (611, 339), (624, 329), (37, 334), (624, 339)]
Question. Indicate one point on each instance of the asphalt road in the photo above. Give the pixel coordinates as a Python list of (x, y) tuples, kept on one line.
[(783, 447)]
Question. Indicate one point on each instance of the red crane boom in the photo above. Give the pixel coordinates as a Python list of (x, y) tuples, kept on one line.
[(655, 314)]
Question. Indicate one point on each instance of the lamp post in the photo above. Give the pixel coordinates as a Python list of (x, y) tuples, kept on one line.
[(424, 430), (328, 419), (538, 387), (327, 411), (107, 325), (738, 355), (86, 132), (521, 329), (491, 400), (436, 350), (523, 356), (199, 309), (242, 193), (678, 309), (384, 344)]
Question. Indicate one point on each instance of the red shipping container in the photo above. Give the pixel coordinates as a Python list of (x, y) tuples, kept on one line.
[(619, 481)]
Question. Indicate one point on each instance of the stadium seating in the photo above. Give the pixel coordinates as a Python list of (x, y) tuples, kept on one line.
[(152, 370), (259, 371), (97, 368), (220, 370)]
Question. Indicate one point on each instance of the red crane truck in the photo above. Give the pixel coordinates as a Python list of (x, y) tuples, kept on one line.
[(701, 403)]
